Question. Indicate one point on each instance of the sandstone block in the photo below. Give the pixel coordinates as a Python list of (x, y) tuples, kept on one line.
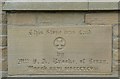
[(21, 19), (60, 19), (3, 58), (3, 40), (101, 18)]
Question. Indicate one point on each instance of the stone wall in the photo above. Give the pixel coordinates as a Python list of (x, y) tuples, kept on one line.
[(43, 19), (0, 39), (0, 35)]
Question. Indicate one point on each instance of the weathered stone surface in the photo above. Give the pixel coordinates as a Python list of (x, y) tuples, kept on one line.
[(61, 5), (119, 69), (119, 30), (115, 30), (21, 19), (0, 4), (115, 43), (115, 54), (54, 5), (4, 17), (101, 18), (78, 18), (0, 29), (4, 29), (3, 59), (115, 66), (3, 40), (31, 48), (0, 18), (119, 43), (60, 19), (0, 38), (4, 23), (0, 59), (103, 5), (119, 55)]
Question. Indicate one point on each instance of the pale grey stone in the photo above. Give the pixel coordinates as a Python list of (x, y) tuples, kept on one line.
[(103, 5), (46, 6)]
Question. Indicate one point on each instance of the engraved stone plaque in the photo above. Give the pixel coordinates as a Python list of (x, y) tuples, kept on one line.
[(60, 50)]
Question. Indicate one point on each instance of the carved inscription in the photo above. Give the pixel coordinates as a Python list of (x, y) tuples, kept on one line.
[(61, 50)]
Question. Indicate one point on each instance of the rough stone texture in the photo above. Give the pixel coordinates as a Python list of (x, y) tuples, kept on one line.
[(46, 19), (119, 50), (115, 55), (0, 17), (118, 43), (61, 5), (119, 55), (115, 66), (0, 35), (103, 5), (0, 29), (4, 23), (18, 42), (47, 5), (1, 41), (21, 19), (64, 19), (119, 29), (60, 19), (0, 59), (115, 43), (4, 41), (105, 18), (101, 18), (115, 30), (4, 59), (4, 29), (115, 49)]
